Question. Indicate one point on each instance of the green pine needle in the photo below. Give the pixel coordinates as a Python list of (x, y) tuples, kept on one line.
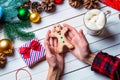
[(24, 35), (13, 30), (23, 24), (8, 32), (9, 8)]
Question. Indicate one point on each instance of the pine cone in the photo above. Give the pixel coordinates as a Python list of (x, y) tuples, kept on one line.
[(2, 60), (48, 5), (36, 7), (90, 4), (47, 1), (75, 3), (27, 4)]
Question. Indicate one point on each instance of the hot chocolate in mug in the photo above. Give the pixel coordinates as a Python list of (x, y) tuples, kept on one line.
[(94, 21)]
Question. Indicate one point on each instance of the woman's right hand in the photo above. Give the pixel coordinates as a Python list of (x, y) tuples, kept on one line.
[(77, 39)]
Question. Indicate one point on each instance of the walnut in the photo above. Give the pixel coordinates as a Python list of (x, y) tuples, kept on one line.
[(48, 5), (2, 60), (75, 3), (36, 7), (90, 4)]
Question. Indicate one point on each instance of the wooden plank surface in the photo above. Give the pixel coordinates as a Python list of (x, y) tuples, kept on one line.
[(74, 69)]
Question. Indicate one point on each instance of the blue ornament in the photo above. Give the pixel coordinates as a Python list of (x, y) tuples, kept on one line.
[(1, 12)]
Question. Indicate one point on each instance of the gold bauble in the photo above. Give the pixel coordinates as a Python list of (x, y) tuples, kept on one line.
[(6, 46), (34, 17)]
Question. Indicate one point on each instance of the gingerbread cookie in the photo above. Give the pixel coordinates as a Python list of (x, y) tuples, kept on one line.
[(59, 33)]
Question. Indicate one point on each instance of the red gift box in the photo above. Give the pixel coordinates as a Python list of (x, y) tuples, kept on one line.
[(32, 52), (113, 3)]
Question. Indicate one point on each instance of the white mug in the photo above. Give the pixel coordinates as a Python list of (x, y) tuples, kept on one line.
[(94, 21)]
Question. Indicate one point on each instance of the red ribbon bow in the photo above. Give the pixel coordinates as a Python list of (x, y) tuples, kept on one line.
[(34, 45)]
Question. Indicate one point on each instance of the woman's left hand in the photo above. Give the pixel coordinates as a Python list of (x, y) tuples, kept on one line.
[(54, 59)]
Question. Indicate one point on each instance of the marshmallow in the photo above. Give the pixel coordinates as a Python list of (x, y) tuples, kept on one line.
[(95, 19)]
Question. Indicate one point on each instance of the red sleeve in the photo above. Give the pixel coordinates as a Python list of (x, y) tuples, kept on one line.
[(107, 65)]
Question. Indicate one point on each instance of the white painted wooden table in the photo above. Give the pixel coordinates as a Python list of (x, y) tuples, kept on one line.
[(74, 69)]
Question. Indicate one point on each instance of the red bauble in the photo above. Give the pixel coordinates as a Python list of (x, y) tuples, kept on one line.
[(58, 1)]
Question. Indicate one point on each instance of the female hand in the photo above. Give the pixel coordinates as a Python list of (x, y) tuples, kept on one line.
[(81, 47), (55, 60)]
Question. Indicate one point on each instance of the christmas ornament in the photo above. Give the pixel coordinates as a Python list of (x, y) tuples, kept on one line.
[(34, 17), (1, 12), (23, 14), (6, 46), (75, 3), (90, 4), (2, 60), (58, 1)]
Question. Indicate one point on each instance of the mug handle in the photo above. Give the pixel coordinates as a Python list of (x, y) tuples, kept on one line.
[(108, 13)]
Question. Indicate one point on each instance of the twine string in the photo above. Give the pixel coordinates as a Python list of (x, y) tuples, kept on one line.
[(21, 69)]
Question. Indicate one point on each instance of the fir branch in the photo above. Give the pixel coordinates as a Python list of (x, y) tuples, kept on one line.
[(22, 35), (9, 8), (23, 24), (13, 30), (8, 32)]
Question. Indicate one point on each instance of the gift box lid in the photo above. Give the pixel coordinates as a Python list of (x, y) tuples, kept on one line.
[(32, 52)]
